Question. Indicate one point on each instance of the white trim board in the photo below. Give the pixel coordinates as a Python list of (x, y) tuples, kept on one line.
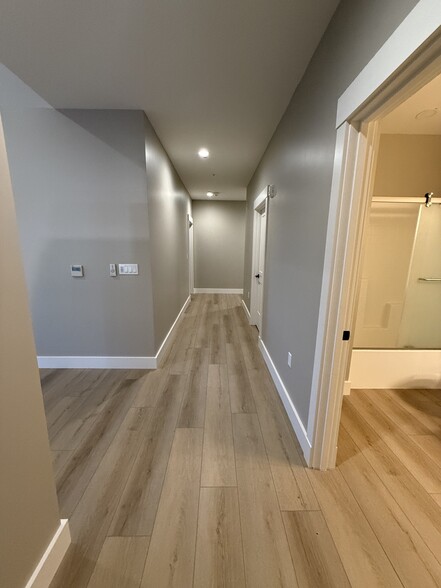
[(415, 29), (165, 345), (396, 368), (247, 312), (291, 411), (104, 362), (52, 557), (260, 199), (98, 362), (218, 291)]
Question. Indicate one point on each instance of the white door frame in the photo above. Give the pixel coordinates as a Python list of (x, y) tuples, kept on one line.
[(190, 253), (259, 204), (408, 60)]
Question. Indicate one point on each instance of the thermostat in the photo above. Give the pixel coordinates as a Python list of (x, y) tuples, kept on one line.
[(77, 271)]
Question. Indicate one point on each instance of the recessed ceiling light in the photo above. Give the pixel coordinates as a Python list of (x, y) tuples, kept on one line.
[(427, 113), (203, 153), (210, 194)]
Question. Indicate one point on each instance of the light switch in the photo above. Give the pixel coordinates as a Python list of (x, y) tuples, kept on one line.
[(112, 270), (128, 269)]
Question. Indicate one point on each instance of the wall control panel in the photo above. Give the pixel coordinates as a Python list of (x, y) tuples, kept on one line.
[(77, 271), (128, 269)]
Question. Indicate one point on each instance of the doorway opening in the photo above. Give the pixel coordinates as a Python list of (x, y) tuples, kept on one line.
[(359, 123), (394, 367), (260, 207)]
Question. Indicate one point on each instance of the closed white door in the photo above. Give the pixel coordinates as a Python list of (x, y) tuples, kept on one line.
[(261, 269)]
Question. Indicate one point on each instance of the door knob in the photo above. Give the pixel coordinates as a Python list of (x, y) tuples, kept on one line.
[(257, 276)]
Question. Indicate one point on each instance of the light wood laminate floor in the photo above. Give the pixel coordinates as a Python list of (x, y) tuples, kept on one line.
[(190, 476)]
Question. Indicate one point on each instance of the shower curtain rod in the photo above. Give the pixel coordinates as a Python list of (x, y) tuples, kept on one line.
[(404, 200)]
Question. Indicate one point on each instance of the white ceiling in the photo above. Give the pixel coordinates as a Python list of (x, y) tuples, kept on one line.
[(402, 120), (213, 73)]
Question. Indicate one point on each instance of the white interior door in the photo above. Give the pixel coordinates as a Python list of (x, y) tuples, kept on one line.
[(258, 259), (190, 255), (259, 276)]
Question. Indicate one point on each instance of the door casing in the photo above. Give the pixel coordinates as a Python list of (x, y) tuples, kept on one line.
[(406, 62), (260, 206)]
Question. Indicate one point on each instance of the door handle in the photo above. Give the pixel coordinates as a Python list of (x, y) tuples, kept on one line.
[(257, 276)]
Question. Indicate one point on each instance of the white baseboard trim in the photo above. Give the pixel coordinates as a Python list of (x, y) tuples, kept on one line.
[(291, 411), (52, 558), (100, 362), (218, 291), (347, 388), (168, 339), (103, 362), (247, 312), (396, 368)]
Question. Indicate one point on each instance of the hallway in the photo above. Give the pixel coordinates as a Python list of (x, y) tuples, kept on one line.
[(190, 476)]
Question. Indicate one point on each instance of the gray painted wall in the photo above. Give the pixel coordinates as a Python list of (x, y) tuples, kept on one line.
[(29, 513), (168, 205), (96, 187), (219, 241), (299, 162), (81, 195)]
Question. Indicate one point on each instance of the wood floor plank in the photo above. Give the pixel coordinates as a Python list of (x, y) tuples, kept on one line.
[(217, 344), (61, 413), (251, 354), (181, 359), (403, 419), (407, 491), (219, 554), (203, 333), (241, 395), (136, 511), (294, 490), (81, 421), (195, 395), (266, 551), (413, 457), (148, 389), (188, 329), (120, 563), (91, 519), (431, 444), (313, 552), (59, 461), (413, 561), (229, 327), (421, 407), (56, 385), (74, 477), (363, 558), (433, 395), (218, 462), (437, 499), (170, 561)]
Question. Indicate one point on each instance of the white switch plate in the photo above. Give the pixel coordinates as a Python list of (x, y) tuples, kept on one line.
[(128, 269), (77, 271), (289, 359)]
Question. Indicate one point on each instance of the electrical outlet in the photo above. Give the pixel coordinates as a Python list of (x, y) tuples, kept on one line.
[(289, 359)]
